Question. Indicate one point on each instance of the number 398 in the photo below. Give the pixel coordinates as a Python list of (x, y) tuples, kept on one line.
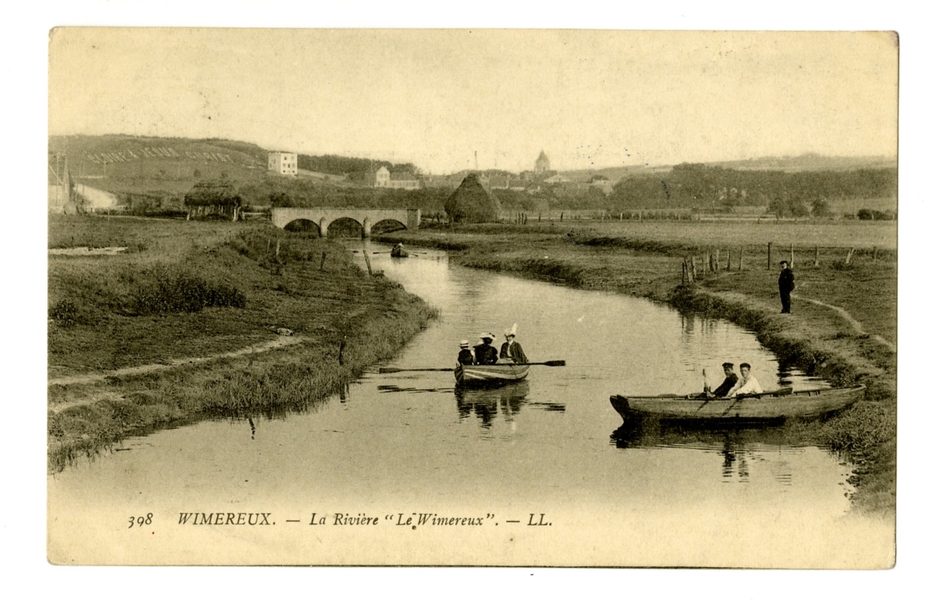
[(140, 521)]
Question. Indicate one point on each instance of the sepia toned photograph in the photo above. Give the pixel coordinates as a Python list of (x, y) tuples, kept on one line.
[(472, 298)]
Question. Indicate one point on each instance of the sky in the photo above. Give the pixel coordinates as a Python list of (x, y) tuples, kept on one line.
[(446, 98)]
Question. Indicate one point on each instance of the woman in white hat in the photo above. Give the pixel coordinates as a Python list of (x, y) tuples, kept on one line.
[(511, 349), (485, 353)]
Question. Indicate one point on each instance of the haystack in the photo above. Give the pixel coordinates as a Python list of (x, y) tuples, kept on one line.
[(471, 203)]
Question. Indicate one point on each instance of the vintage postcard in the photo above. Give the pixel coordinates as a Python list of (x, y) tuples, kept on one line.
[(530, 298)]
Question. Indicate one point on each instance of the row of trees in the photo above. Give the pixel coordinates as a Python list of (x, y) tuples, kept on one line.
[(689, 186), (700, 187), (354, 168)]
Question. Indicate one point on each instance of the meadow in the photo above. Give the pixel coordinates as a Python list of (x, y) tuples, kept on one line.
[(204, 290)]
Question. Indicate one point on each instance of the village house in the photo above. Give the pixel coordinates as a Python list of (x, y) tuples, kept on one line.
[(398, 180), (284, 163)]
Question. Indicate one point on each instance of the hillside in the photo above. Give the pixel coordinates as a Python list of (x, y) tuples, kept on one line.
[(789, 164)]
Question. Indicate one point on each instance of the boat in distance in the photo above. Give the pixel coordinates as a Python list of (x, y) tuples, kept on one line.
[(771, 406), (497, 374)]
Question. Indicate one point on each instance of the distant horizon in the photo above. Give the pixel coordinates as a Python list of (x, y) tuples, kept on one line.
[(483, 168)]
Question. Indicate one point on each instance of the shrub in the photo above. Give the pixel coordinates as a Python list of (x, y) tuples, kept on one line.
[(168, 292), (65, 313)]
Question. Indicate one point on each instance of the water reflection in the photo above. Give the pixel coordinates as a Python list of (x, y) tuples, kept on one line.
[(487, 403), (739, 447)]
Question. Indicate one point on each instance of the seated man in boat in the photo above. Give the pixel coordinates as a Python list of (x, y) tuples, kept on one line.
[(485, 353), (511, 350), (465, 354), (727, 384), (747, 383)]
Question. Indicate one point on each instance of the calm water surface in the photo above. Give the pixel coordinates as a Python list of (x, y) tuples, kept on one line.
[(409, 442)]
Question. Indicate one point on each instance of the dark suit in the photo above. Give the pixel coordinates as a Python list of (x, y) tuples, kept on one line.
[(728, 383), (466, 357), (786, 283), (514, 352), (486, 354)]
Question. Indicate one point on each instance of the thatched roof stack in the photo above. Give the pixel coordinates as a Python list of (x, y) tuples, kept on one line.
[(472, 203)]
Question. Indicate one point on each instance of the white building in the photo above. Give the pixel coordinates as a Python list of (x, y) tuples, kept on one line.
[(284, 163), (382, 177), (398, 180)]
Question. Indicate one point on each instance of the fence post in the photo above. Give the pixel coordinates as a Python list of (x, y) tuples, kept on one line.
[(741, 256), (847, 260), (716, 263), (729, 259), (791, 257), (369, 267), (705, 261), (816, 256), (769, 265), (277, 253)]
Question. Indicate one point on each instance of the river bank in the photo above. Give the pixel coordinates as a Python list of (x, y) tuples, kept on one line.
[(820, 337), (205, 320)]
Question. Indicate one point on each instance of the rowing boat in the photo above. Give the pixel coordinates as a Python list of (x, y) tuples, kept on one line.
[(496, 374), (399, 253), (772, 406)]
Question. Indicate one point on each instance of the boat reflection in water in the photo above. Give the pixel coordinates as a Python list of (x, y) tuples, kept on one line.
[(487, 402), (738, 447)]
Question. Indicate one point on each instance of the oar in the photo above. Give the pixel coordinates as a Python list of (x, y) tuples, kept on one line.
[(547, 363)]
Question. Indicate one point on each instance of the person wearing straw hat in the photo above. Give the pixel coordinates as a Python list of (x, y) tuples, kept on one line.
[(465, 354), (511, 350), (485, 353)]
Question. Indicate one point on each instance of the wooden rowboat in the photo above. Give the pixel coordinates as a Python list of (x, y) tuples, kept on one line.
[(497, 374), (399, 253), (773, 406)]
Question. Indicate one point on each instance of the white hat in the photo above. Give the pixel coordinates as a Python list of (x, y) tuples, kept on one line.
[(490, 336), (512, 331), (463, 344)]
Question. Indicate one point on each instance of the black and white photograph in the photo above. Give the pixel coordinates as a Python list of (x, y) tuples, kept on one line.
[(472, 297)]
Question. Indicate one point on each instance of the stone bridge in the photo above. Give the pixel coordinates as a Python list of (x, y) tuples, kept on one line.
[(323, 217)]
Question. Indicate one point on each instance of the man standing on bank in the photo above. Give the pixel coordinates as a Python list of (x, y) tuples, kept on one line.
[(786, 283)]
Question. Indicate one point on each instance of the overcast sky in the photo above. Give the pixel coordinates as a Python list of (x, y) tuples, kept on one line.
[(589, 99)]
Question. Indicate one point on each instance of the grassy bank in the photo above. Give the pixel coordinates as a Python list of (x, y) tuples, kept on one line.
[(843, 326), (205, 290)]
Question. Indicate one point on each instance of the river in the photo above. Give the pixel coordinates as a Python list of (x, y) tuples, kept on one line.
[(536, 473)]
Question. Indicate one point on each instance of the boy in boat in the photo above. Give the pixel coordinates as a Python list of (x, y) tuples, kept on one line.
[(511, 350), (747, 383), (465, 354), (485, 353), (727, 384)]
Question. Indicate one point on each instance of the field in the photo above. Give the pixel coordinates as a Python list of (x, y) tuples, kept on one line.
[(804, 234), (205, 319)]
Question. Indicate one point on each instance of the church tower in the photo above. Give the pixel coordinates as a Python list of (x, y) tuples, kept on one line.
[(542, 165)]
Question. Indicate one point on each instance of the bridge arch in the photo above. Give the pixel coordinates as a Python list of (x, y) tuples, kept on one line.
[(367, 218)]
